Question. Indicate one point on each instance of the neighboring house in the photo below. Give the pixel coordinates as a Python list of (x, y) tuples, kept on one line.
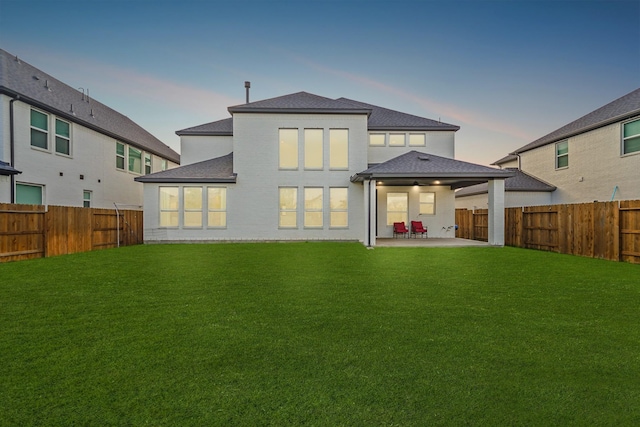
[(305, 167), (594, 158), (59, 146)]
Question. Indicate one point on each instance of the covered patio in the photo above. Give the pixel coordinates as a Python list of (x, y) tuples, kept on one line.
[(419, 186), (429, 243)]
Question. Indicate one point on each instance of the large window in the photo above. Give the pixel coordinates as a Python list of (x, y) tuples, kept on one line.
[(217, 206), (377, 139), (169, 206), (396, 140), (39, 130), (562, 154), (313, 207), (147, 163), (339, 207), (288, 207), (313, 148), (397, 207), (631, 137), (120, 150), (427, 203), (288, 148), (339, 148), (192, 206), (135, 160), (28, 194), (63, 138), (417, 140)]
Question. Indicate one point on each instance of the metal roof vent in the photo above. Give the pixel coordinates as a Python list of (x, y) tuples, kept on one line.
[(423, 158), (18, 60), (46, 85)]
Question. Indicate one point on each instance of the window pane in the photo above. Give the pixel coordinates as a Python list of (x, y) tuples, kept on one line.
[(147, 163), (427, 197), (562, 148), (119, 149), (39, 139), (338, 198), (217, 198), (217, 219), (120, 162), (193, 198), (313, 219), (28, 194), (396, 217), (632, 128), (313, 148), (287, 219), (313, 198), (168, 219), (427, 203), (339, 219), (135, 160), (39, 120), (417, 140), (563, 161), (339, 148), (288, 198), (396, 139), (397, 207), (632, 145), (193, 219), (62, 128), (288, 148), (169, 198), (376, 139), (62, 145)]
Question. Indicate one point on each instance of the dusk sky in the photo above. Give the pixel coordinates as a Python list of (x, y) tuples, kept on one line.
[(506, 72)]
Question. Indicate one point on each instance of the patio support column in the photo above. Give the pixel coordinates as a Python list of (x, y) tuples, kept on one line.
[(370, 212), (496, 212)]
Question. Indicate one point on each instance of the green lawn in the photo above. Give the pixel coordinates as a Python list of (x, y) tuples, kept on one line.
[(319, 334)]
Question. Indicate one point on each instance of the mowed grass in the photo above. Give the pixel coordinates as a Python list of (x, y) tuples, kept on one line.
[(319, 334)]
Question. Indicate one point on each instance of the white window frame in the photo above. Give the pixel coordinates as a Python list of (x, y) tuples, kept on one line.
[(332, 147), (149, 157), (423, 140), (123, 156), (558, 156), (87, 195), (282, 166), (425, 204), (168, 210), (67, 139), (37, 129), (333, 209), (222, 210), (129, 166), (26, 184), (404, 139), (624, 139), (384, 139), (308, 148), (406, 212), (282, 210), (186, 210), (312, 210)]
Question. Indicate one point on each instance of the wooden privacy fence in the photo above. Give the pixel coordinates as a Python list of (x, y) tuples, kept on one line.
[(30, 231), (607, 230)]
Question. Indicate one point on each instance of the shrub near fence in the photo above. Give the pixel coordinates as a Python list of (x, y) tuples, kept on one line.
[(28, 231), (607, 230)]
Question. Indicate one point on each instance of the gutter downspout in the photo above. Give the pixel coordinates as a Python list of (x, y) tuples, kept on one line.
[(12, 158)]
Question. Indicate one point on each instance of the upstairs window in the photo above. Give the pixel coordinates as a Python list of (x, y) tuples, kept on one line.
[(164, 164), (147, 163), (631, 137), (377, 139), (120, 150), (313, 148), (417, 140), (562, 154), (135, 160), (63, 138), (339, 148), (396, 140), (39, 130), (288, 148)]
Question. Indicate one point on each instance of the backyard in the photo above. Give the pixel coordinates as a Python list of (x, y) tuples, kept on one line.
[(319, 334)]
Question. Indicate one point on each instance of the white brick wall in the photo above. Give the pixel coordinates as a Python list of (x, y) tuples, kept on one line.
[(194, 149)]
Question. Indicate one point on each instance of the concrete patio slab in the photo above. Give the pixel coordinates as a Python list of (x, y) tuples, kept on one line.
[(429, 243)]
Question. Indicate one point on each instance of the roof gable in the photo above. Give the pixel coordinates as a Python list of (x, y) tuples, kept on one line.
[(215, 170), (622, 108), (521, 181), (300, 102), (48, 93), (222, 127)]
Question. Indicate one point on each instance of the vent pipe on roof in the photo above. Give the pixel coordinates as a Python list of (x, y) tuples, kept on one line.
[(46, 85), (88, 99), (18, 59), (82, 89), (247, 85)]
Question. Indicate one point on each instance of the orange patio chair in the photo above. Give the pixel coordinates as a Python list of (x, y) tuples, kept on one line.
[(400, 229), (418, 228)]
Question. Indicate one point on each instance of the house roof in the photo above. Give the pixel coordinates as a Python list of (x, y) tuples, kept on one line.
[(385, 119), (35, 87), (415, 166), (215, 170), (506, 159), (621, 109), (300, 102), (521, 181), (222, 127), (6, 169)]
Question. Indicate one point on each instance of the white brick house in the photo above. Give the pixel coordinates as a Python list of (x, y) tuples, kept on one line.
[(594, 158), (305, 167), (59, 146)]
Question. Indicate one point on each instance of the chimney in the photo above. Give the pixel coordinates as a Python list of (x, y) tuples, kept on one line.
[(247, 85)]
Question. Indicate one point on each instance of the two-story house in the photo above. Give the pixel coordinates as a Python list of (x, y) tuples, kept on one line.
[(305, 167), (593, 158), (60, 146)]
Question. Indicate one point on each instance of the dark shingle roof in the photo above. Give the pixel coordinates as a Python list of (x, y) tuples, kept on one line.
[(5, 169), (519, 182), (222, 127), (620, 109), (300, 102), (505, 159), (385, 119), (219, 169), (19, 78), (417, 164)]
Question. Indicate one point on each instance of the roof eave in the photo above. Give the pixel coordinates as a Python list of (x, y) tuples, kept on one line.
[(203, 133), (415, 128), (231, 180), (382, 175), (272, 110)]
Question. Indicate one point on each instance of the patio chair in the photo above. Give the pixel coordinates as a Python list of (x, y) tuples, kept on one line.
[(400, 229), (418, 228)]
